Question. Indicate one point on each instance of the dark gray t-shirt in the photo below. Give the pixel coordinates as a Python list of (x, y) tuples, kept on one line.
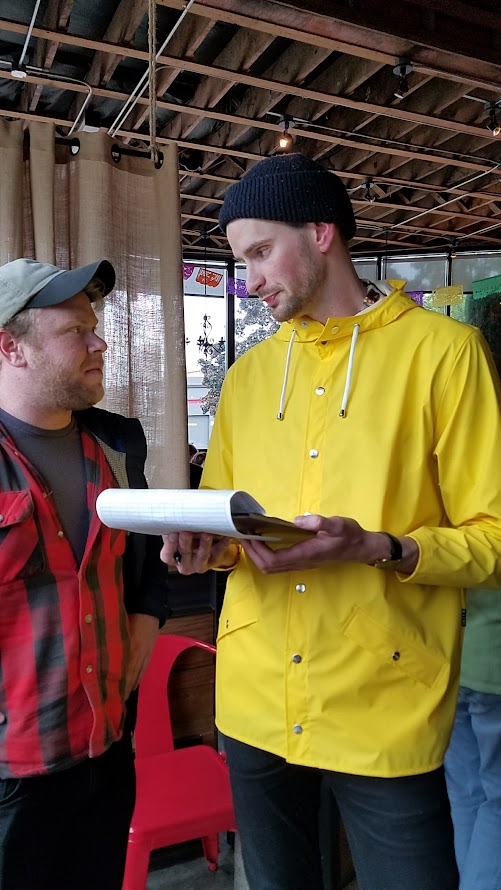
[(58, 458)]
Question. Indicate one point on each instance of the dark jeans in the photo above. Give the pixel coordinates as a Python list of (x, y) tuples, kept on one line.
[(68, 830), (399, 830)]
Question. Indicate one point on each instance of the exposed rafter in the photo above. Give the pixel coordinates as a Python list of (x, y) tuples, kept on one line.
[(231, 72)]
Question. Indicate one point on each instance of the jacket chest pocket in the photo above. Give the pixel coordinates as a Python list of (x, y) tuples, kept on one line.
[(21, 551), (237, 612)]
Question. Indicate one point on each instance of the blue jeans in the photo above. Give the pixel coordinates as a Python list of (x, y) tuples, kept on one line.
[(399, 830), (473, 772), (68, 830)]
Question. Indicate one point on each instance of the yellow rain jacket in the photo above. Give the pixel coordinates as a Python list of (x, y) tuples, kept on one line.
[(348, 667)]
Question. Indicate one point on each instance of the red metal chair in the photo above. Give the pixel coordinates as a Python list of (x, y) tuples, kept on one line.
[(183, 793)]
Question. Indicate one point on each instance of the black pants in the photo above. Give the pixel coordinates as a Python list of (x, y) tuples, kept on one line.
[(399, 830), (68, 830)]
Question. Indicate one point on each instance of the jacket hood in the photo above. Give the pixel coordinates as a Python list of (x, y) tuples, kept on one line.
[(390, 303), (384, 312)]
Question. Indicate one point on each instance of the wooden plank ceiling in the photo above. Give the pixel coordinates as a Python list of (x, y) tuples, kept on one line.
[(423, 168)]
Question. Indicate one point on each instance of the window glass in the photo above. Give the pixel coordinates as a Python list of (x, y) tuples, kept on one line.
[(469, 268), (425, 273), (366, 269), (205, 329)]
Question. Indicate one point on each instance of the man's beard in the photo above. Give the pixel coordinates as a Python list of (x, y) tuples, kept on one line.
[(59, 390), (298, 301), (75, 396)]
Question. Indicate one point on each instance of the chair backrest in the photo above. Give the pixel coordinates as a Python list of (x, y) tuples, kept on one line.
[(153, 734)]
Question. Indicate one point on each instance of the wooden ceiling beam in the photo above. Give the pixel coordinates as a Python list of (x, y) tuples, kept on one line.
[(405, 153), (242, 51), (307, 25), (466, 12), (447, 31), (491, 81), (405, 230), (184, 42), (121, 30), (438, 190), (445, 215), (265, 84), (256, 103), (56, 17)]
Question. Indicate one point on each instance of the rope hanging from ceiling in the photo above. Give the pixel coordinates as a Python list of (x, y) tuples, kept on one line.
[(152, 79)]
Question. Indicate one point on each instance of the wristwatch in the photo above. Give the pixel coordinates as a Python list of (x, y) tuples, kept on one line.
[(392, 561)]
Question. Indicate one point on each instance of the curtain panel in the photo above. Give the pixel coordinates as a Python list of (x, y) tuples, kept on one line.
[(73, 209)]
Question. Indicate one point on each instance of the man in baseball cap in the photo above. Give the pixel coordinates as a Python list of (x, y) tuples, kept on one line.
[(80, 604), (27, 284)]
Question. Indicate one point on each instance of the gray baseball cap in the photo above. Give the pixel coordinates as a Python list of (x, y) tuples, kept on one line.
[(27, 284)]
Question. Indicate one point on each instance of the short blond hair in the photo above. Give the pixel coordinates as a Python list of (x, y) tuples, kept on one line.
[(95, 290)]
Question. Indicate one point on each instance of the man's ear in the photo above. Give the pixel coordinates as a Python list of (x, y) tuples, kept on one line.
[(325, 234), (11, 350)]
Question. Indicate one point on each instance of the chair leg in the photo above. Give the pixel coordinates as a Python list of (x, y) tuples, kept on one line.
[(211, 850), (136, 866)]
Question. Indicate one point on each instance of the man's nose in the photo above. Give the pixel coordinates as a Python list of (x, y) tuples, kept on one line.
[(254, 281), (97, 344)]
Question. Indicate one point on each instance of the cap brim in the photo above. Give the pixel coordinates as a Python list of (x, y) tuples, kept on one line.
[(69, 283)]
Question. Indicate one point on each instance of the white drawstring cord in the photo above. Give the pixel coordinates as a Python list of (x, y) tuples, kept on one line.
[(280, 415), (349, 371)]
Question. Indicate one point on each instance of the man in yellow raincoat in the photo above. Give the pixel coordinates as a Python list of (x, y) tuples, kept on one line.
[(377, 426)]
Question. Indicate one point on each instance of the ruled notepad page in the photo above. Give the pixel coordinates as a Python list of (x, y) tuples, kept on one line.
[(163, 510)]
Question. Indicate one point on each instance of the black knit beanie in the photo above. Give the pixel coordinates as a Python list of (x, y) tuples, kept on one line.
[(291, 189)]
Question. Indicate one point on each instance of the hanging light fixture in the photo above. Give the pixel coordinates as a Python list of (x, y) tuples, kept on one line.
[(453, 249), (369, 195), (285, 139), (492, 121), (402, 71), (205, 342)]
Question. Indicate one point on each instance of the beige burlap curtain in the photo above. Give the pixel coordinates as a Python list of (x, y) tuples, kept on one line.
[(75, 209)]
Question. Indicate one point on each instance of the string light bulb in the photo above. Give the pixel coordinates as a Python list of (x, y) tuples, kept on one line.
[(402, 71), (285, 139)]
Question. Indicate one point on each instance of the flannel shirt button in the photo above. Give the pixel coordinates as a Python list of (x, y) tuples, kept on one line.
[(1, 518), (89, 669), (60, 534), (3, 718), (88, 619)]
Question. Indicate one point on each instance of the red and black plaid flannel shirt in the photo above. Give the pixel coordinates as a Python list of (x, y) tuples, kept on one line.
[(63, 629)]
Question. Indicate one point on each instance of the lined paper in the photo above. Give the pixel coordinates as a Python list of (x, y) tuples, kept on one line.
[(159, 511)]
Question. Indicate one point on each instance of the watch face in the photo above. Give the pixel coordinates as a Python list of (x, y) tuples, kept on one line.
[(387, 563)]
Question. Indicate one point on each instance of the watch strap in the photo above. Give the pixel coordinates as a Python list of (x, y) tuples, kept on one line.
[(396, 553)]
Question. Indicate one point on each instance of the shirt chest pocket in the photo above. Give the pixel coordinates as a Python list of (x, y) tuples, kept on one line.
[(21, 551)]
